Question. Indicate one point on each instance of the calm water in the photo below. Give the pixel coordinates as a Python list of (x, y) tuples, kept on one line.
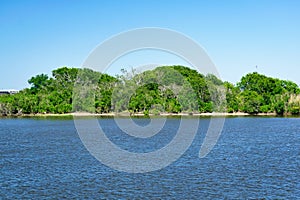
[(254, 158)]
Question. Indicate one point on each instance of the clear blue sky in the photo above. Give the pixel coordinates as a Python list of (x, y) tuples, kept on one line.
[(39, 36)]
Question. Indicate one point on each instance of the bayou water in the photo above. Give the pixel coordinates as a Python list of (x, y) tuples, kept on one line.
[(255, 157)]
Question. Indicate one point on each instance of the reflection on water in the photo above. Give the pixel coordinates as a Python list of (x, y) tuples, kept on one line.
[(254, 158)]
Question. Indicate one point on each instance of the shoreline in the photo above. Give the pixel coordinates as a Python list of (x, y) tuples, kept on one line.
[(127, 114)]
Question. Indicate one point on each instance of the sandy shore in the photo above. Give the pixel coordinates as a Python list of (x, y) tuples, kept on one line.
[(84, 114), (174, 114)]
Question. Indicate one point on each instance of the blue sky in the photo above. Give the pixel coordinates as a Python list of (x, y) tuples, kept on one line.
[(39, 36)]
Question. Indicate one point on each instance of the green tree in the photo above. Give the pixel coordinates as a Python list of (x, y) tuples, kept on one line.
[(250, 102), (38, 82), (232, 100)]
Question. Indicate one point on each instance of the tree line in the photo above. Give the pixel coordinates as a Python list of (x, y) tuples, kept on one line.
[(166, 89)]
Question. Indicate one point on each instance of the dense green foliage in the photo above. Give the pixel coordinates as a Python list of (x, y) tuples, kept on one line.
[(261, 94), (170, 89), (164, 89)]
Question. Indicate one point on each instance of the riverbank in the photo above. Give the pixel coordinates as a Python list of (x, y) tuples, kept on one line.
[(213, 114), (85, 114)]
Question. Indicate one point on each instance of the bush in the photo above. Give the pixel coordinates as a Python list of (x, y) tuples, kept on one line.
[(265, 108), (295, 110)]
